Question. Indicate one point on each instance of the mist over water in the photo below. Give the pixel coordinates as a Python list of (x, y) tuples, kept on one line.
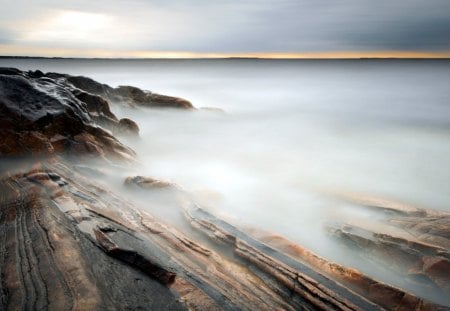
[(293, 132)]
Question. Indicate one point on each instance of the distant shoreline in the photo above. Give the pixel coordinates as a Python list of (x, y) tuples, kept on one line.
[(224, 58)]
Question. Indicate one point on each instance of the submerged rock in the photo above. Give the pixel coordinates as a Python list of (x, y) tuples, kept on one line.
[(127, 127), (147, 183)]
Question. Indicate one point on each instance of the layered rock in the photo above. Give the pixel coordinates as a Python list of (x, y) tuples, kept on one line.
[(410, 242), (49, 261)]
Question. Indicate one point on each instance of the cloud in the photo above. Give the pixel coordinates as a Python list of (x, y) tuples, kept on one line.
[(5, 37), (222, 26)]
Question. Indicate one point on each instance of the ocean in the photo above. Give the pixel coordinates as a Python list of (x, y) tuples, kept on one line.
[(294, 135)]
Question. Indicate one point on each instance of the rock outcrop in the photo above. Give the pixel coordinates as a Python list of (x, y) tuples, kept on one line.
[(41, 116), (128, 95), (67, 242), (412, 243)]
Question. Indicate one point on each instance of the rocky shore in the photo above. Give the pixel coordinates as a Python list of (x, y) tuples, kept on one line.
[(68, 242)]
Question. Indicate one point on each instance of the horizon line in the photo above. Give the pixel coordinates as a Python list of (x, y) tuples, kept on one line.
[(228, 58), (20, 51)]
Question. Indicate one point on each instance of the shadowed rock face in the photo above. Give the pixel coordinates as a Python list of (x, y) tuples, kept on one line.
[(40, 116), (67, 242)]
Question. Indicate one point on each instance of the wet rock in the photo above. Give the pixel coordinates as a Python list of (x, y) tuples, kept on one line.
[(127, 127), (67, 243), (128, 95), (97, 106), (9, 71), (134, 258), (40, 116), (437, 269), (122, 257), (164, 101), (47, 262), (411, 243), (134, 96), (147, 183), (83, 83)]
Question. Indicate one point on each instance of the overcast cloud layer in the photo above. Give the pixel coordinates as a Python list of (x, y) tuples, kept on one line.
[(228, 27)]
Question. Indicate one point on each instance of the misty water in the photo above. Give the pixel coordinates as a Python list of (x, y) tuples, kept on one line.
[(294, 135)]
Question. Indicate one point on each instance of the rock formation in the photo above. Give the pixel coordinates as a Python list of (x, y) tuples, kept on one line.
[(41, 116), (128, 95), (67, 242)]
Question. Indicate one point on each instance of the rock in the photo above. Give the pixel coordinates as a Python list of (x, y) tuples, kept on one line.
[(124, 258), (137, 97), (9, 71), (127, 127), (128, 95), (48, 262), (213, 109), (83, 83), (164, 101), (147, 183), (68, 243), (96, 105), (411, 243), (43, 116), (438, 270)]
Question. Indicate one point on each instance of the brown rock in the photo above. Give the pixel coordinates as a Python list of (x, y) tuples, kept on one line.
[(147, 183), (127, 127), (438, 270)]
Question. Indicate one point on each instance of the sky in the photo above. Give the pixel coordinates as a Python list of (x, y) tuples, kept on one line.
[(216, 28)]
